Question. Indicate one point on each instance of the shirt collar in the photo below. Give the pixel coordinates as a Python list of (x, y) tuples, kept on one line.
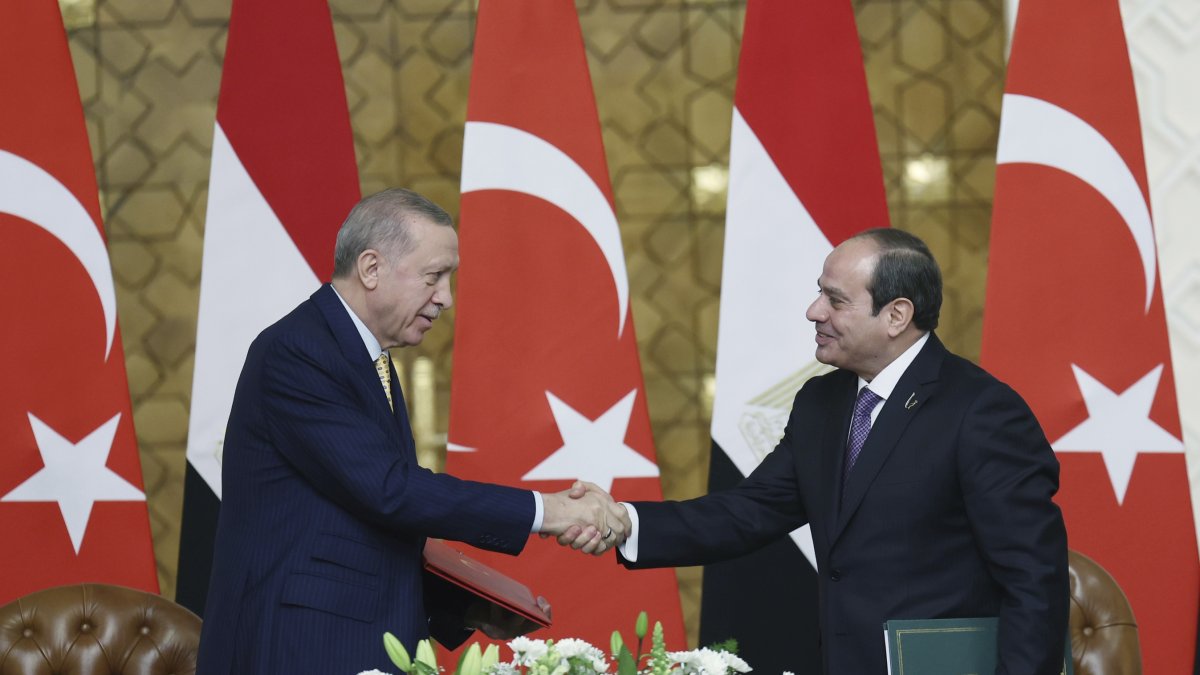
[(372, 345), (886, 380)]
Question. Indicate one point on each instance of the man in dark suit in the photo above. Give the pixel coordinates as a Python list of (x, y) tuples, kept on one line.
[(325, 510), (927, 483)]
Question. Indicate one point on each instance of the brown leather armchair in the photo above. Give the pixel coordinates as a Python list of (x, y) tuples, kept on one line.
[(97, 629), (1104, 638)]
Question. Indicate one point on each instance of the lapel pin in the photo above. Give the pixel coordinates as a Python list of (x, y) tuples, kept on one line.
[(911, 402)]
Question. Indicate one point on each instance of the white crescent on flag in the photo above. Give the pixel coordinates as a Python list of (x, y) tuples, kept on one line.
[(543, 389), (1068, 326), (28, 191), (1033, 131), (71, 503), (535, 167)]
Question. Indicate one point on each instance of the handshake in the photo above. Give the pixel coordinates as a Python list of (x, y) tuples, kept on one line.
[(585, 518)]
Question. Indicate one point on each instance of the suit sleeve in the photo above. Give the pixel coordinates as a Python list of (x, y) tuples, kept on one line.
[(1009, 476), (724, 525), (321, 425)]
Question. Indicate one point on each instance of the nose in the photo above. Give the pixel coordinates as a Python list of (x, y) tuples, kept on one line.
[(817, 310), (444, 297)]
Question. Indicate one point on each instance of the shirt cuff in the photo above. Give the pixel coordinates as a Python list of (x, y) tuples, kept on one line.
[(539, 512), (629, 549)]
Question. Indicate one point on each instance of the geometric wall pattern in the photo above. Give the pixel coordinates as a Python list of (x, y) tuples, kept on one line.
[(664, 73)]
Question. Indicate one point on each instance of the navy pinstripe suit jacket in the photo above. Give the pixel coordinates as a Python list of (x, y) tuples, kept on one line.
[(325, 511), (948, 513)]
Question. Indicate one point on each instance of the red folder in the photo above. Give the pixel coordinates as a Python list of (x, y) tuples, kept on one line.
[(482, 581)]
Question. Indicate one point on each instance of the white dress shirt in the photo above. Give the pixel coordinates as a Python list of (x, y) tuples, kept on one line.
[(883, 385), (374, 349)]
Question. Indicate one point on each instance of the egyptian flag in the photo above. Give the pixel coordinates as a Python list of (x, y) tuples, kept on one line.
[(804, 176), (547, 386), (283, 179), (1074, 317), (72, 506)]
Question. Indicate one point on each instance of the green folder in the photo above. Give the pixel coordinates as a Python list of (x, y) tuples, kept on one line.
[(945, 647)]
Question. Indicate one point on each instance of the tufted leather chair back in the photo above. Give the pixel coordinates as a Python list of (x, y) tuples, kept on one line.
[(98, 630), (1104, 638)]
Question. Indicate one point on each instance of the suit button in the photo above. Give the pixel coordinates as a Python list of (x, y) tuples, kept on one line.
[(835, 575)]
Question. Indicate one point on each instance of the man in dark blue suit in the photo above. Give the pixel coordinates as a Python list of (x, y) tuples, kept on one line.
[(325, 510), (927, 483)]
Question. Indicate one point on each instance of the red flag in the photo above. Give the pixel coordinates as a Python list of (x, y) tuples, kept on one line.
[(72, 508), (283, 179), (804, 176), (547, 385), (1074, 317)]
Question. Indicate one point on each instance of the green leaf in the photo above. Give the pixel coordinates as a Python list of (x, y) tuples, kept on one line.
[(461, 657), (730, 645), (626, 665)]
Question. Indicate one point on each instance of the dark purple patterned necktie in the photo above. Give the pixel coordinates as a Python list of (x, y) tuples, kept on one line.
[(860, 426)]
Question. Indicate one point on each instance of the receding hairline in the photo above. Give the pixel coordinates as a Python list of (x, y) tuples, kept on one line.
[(887, 239)]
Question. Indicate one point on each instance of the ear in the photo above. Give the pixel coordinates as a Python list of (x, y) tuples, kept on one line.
[(368, 268), (899, 314)]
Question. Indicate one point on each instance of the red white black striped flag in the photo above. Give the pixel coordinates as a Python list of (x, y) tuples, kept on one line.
[(283, 178), (804, 175)]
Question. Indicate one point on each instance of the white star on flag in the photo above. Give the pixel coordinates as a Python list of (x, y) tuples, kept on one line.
[(593, 450), (1118, 426), (75, 476)]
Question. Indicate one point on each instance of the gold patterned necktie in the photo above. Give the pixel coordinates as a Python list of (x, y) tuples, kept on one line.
[(384, 370)]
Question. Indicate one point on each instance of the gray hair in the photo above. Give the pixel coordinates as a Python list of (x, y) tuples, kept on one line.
[(381, 221)]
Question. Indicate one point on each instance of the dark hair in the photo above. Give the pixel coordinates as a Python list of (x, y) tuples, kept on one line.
[(905, 269), (381, 221)]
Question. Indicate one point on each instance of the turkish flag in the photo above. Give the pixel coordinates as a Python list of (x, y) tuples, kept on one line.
[(547, 386), (72, 507), (1074, 317), (804, 175)]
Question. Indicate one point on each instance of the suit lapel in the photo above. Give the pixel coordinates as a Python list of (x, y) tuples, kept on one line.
[(918, 384), (833, 446), (353, 349), (400, 409)]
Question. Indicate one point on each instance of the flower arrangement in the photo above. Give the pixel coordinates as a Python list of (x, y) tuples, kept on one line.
[(570, 656)]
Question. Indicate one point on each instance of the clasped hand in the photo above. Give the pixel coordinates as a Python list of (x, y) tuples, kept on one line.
[(585, 518)]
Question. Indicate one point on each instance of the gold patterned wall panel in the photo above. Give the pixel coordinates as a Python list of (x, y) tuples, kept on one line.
[(148, 74), (935, 70), (663, 72)]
